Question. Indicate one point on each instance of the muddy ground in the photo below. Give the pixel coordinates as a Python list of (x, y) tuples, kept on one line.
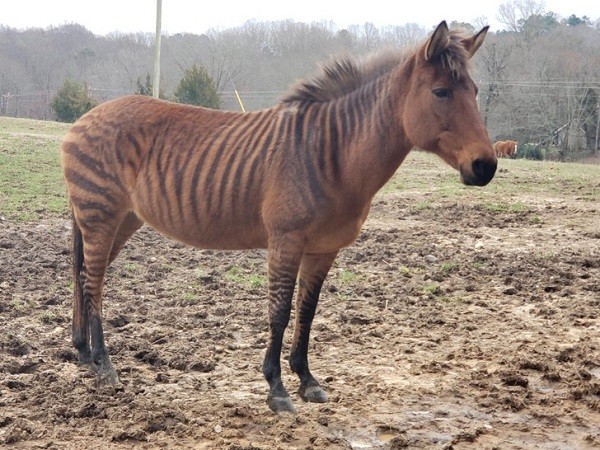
[(448, 324)]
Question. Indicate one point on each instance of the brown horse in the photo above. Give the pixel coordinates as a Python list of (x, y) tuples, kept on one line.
[(297, 179), (505, 148)]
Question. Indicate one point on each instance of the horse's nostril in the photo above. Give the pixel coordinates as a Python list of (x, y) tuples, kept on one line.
[(484, 170), (478, 167)]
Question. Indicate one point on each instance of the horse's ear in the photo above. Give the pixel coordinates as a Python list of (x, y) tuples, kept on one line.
[(473, 44), (438, 42)]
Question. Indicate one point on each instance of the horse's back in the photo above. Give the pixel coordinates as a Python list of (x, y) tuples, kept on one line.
[(170, 165)]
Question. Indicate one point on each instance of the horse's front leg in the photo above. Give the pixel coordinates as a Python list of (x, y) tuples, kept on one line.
[(285, 253), (313, 270)]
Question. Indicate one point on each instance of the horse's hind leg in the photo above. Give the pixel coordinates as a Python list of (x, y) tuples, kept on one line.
[(98, 239), (130, 224), (94, 283), (313, 270), (81, 327), (89, 267)]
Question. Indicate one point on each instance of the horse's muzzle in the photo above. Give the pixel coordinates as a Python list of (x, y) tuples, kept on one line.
[(481, 173)]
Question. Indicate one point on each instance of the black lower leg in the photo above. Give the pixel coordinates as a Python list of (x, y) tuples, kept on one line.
[(81, 343), (81, 328), (309, 390), (299, 365), (100, 359), (278, 398), (313, 270)]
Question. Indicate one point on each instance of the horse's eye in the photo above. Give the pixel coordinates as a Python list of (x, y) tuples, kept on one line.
[(441, 93)]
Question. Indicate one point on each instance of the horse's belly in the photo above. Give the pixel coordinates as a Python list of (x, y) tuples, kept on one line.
[(209, 231), (217, 236)]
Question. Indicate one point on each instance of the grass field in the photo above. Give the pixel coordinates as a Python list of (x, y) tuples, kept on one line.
[(31, 185), (30, 176)]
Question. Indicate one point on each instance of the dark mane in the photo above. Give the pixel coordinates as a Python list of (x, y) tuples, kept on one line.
[(345, 74), (455, 59)]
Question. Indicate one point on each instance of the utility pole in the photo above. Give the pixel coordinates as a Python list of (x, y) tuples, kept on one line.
[(155, 84)]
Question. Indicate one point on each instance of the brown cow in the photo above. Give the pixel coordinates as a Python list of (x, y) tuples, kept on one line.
[(505, 148)]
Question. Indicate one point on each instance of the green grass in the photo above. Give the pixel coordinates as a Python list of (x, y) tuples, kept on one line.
[(347, 276), (131, 267), (31, 183), (420, 206), (433, 289), (516, 186), (240, 276), (477, 265), (506, 207), (535, 219), (189, 298), (449, 266), (404, 270)]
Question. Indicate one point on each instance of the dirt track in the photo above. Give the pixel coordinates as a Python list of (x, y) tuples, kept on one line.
[(446, 325)]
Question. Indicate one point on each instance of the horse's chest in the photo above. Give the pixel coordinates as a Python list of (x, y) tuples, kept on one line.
[(338, 233)]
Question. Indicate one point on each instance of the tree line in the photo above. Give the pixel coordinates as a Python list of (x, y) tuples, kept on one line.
[(539, 79)]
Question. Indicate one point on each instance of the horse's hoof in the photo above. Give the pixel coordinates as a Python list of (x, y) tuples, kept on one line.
[(85, 359), (109, 378), (314, 394), (281, 405)]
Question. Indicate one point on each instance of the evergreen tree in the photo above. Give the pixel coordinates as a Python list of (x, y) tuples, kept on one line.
[(574, 21), (72, 101), (196, 87), (144, 88)]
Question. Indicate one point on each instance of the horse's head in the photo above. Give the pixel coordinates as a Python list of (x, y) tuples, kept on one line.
[(440, 111)]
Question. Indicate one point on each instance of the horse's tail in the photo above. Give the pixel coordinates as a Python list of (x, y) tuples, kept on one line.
[(77, 258)]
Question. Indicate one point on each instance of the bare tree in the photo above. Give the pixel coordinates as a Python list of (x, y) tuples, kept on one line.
[(514, 12), (480, 22), (404, 35), (494, 68)]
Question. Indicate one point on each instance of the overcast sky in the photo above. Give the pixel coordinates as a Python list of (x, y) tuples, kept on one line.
[(105, 16)]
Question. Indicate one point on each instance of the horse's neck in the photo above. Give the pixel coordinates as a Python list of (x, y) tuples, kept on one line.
[(374, 144)]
